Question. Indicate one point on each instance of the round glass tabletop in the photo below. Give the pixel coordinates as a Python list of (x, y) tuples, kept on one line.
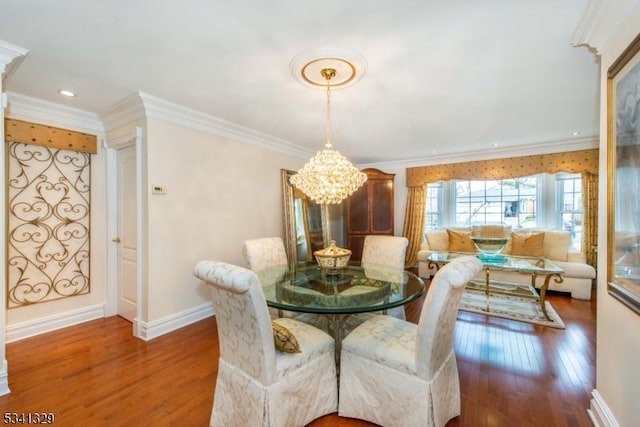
[(354, 289)]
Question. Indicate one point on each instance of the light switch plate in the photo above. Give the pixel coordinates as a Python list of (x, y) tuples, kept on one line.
[(158, 189)]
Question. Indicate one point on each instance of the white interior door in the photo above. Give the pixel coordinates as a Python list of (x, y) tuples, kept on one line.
[(127, 244)]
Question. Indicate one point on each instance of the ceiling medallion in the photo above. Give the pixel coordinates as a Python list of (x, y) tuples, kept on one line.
[(349, 66)]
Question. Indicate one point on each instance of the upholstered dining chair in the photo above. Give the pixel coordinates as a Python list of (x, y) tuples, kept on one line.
[(266, 255), (398, 373), (388, 252), (258, 385)]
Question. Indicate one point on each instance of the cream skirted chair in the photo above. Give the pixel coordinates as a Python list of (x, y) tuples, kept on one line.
[(397, 373), (265, 252), (267, 257), (258, 385), (388, 252)]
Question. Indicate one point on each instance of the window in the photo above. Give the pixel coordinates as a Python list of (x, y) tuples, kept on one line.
[(569, 193), (508, 201), (540, 201), (433, 206)]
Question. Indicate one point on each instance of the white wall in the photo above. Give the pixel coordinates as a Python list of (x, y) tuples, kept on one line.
[(219, 193), (618, 330)]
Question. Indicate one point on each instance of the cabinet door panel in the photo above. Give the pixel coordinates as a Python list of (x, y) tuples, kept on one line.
[(356, 243), (381, 207), (358, 209)]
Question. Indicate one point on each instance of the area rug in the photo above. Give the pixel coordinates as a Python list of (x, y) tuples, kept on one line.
[(510, 307)]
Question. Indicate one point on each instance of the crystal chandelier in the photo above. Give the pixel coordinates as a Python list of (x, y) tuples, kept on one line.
[(328, 178)]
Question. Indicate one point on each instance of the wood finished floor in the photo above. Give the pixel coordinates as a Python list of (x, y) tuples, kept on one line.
[(96, 374)]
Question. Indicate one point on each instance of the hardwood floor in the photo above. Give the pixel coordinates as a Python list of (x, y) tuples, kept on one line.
[(96, 374)]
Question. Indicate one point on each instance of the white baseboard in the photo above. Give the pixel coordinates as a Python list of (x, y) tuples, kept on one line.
[(145, 331), (42, 325), (151, 330), (599, 412), (4, 379)]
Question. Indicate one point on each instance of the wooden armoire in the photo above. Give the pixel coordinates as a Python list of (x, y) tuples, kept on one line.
[(370, 210)]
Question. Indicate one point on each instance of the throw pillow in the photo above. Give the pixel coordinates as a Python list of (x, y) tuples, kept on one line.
[(460, 241), (284, 339), (527, 244), (556, 245), (438, 240)]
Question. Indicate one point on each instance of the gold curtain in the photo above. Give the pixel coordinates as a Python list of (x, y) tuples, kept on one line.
[(513, 167), (414, 223), (590, 217)]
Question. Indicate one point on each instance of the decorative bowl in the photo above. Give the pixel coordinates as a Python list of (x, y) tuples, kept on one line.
[(490, 246), (332, 258)]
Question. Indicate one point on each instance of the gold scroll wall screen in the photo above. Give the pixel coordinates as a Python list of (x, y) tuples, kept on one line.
[(48, 210)]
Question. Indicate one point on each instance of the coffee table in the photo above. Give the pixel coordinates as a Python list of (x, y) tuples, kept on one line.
[(526, 265)]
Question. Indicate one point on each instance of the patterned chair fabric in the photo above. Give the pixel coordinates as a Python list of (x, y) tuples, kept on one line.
[(264, 253), (388, 252), (258, 385), (268, 257), (397, 373)]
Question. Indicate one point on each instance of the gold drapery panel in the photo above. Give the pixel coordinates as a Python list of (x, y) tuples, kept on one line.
[(49, 136), (414, 223), (590, 217), (513, 167)]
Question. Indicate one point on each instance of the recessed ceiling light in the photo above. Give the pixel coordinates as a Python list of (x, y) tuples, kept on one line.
[(575, 133), (66, 93), (495, 144)]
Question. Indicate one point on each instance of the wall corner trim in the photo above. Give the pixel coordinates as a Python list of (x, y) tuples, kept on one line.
[(599, 412)]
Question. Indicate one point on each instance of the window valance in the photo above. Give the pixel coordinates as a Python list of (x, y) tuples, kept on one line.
[(513, 167), (49, 136)]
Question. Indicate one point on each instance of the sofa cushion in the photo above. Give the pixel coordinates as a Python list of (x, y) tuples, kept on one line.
[(526, 244), (574, 269), (460, 241), (438, 240), (556, 245)]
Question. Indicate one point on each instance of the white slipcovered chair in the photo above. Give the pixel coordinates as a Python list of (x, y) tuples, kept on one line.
[(258, 385), (268, 257), (388, 252), (397, 373), (265, 252)]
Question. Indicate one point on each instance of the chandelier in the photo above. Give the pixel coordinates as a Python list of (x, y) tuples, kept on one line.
[(328, 178)]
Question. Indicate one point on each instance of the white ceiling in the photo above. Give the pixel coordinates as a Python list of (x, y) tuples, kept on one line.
[(443, 76)]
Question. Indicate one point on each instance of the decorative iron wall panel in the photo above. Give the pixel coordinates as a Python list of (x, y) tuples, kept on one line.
[(48, 200)]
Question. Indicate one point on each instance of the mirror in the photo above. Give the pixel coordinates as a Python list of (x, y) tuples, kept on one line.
[(306, 223)]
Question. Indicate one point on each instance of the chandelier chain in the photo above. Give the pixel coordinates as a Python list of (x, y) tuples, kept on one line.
[(328, 144)]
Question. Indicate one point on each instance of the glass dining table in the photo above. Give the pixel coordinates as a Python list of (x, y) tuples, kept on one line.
[(336, 295)]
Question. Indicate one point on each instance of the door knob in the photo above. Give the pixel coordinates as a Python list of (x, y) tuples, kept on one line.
[(116, 240)]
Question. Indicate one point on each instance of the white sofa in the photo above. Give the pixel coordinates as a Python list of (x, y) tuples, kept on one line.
[(578, 275)]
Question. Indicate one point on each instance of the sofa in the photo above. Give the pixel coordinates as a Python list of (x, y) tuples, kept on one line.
[(578, 277)]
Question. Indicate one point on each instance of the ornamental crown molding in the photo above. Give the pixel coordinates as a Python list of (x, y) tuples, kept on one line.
[(180, 115), (530, 149), (134, 110), (36, 110), (8, 61), (599, 21)]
